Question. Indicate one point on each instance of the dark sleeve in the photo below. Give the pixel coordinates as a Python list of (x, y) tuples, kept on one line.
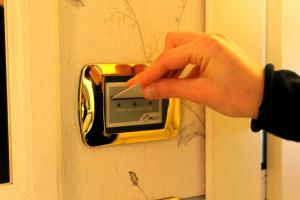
[(279, 113)]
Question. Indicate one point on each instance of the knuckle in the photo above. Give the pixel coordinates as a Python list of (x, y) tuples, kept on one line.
[(207, 41), (163, 55), (213, 42), (209, 45), (170, 36)]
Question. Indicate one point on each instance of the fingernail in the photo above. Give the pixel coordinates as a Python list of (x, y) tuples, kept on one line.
[(150, 92)]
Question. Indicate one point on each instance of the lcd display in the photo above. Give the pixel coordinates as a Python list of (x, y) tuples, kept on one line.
[(131, 114)]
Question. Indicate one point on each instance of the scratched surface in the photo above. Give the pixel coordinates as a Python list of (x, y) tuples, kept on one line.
[(121, 31)]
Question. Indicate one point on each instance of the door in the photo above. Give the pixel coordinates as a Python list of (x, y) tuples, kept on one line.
[(283, 50), (234, 153)]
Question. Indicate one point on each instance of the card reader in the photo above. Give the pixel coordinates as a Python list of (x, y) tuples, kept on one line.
[(109, 114)]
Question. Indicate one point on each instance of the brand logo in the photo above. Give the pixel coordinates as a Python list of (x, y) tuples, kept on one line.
[(150, 117)]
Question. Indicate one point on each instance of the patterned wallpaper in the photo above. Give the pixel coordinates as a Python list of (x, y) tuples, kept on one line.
[(127, 31)]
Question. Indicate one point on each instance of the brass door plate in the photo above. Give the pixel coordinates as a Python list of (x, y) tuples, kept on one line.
[(107, 121)]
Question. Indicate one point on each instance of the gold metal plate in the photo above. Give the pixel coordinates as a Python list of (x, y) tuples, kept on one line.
[(92, 106)]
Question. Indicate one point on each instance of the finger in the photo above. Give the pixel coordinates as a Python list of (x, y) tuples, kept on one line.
[(195, 72), (169, 74), (192, 89), (173, 74), (170, 60), (124, 69), (138, 68), (177, 73), (174, 39)]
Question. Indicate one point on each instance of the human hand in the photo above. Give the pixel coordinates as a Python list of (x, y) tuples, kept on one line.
[(224, 77)]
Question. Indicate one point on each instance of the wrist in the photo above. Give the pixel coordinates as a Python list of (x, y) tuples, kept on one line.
[(259, 95), (267, 91)]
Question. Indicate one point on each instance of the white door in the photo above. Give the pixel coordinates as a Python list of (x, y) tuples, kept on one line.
[(283, 173), (233, 151)]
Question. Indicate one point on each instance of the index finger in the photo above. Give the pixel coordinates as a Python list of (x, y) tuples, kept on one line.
[(174, 39), (173, 59)]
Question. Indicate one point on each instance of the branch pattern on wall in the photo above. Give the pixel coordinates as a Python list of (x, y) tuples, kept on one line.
[(127, 15), (76, 3), (182, 6), (135, 181), (191, 129), (97, 25), (124, 13)]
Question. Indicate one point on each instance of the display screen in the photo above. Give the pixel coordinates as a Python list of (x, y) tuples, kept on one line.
[(132, 111), (131, 114)]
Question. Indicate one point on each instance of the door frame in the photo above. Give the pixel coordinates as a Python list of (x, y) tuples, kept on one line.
[(31, 52)]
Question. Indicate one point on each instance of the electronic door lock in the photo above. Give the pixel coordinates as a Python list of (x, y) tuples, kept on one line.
[(109, 121)]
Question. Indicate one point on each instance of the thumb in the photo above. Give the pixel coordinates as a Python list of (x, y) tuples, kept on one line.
[(177, 88)]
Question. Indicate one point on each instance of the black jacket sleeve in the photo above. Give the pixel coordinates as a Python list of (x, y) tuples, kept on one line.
[(279, 113)]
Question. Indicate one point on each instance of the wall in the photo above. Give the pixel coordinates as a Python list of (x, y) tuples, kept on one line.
[(126, 31)]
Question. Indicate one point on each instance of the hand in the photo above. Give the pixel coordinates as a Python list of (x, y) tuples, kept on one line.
[(223, 78)]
